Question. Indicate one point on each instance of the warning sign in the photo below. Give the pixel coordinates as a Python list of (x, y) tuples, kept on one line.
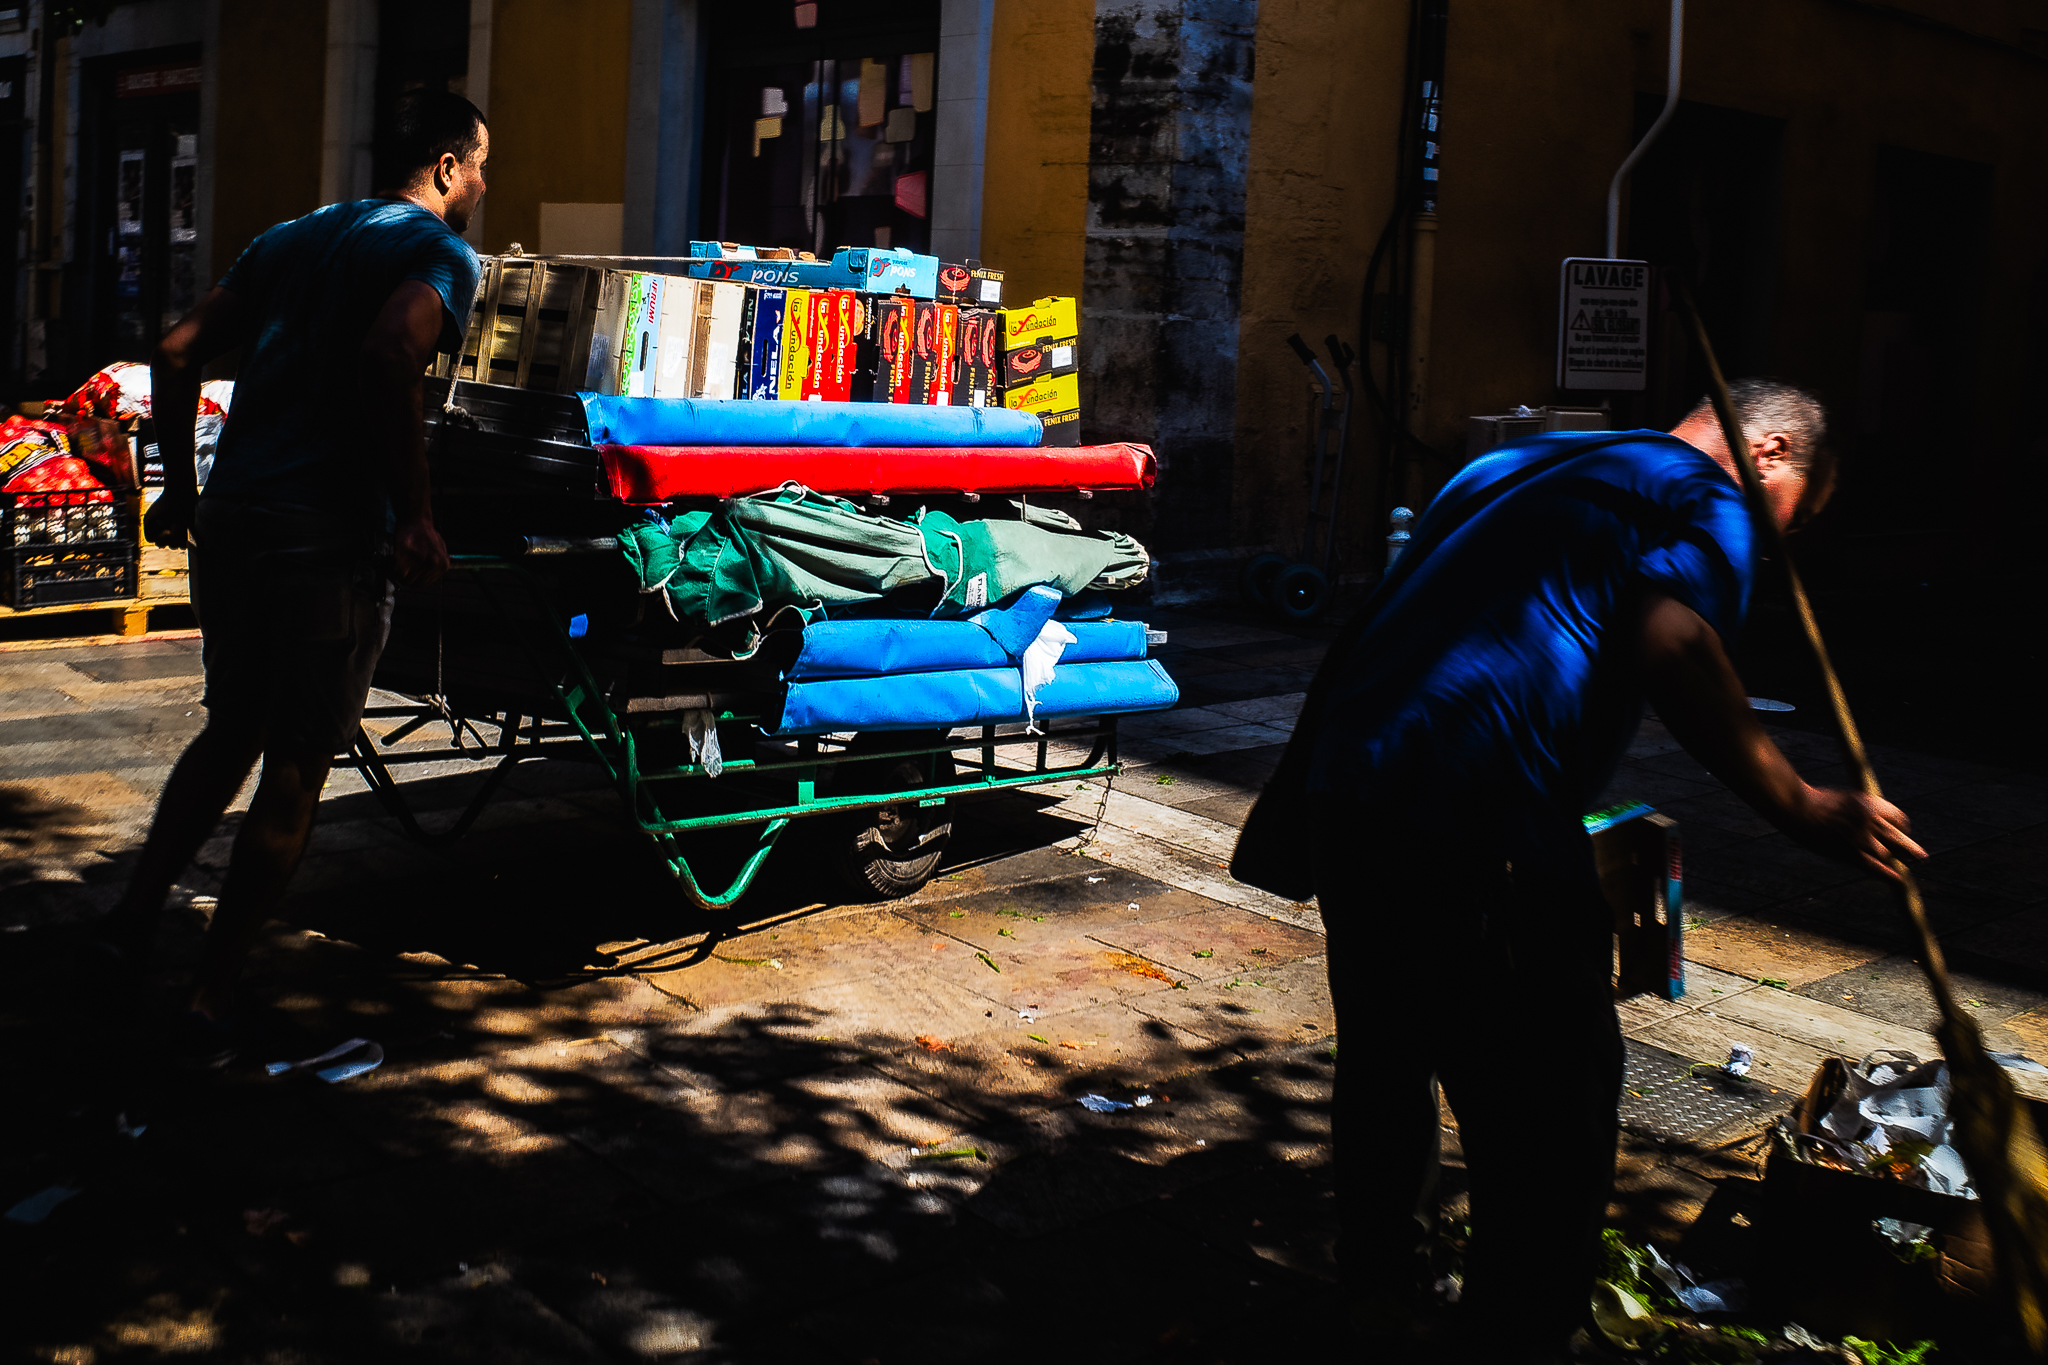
[(1602, 324)]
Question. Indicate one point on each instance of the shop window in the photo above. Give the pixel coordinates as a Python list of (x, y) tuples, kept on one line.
[(820, 128)]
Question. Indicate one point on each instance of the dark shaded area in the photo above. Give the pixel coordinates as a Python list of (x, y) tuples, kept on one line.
[(619, 1183)]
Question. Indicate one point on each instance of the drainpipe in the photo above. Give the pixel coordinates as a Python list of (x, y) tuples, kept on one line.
[(1664, 117), (1421, 307)]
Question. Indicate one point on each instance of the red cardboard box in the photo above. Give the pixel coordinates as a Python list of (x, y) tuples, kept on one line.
[(833, 339), (978, 378), (895, 329), (946, 359), (934, 337)]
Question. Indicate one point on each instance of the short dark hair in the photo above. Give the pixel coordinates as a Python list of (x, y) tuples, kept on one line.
[(420, 128)]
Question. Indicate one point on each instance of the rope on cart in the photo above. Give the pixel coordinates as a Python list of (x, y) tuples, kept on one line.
[(1082, 844)]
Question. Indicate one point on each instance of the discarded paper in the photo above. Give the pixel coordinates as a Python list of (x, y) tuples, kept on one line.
[(372, 1058)]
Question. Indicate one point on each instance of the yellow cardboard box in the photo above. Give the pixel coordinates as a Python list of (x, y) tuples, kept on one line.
[(1042, 321), (1057, 401)]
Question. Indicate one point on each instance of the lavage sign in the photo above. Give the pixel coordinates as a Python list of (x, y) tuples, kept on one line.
[(1603, 324)]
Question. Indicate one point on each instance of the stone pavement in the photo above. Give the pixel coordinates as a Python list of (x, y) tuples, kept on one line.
[(613, 1127)]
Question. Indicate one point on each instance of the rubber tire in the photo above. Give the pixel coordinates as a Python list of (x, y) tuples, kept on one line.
[(877, 852), (1301, 593), (1255, 581)]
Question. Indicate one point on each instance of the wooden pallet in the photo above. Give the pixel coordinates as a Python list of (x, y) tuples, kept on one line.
[(127, 617)]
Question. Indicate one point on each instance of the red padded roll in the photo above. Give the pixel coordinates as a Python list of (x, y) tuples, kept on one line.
[(650, 474)]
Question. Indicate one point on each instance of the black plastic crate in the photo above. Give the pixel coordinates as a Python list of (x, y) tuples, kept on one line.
[(67, 547)]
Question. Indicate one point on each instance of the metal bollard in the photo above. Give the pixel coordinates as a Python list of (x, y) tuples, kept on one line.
[(1397, 539)]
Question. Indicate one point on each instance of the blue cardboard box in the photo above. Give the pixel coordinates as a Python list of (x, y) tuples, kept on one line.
[(872, 270)]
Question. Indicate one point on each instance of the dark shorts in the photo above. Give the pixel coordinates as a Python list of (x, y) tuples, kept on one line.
[(293, 608)]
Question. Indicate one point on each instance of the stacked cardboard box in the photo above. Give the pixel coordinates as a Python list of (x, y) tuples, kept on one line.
[(1040, 370), (869, 325)]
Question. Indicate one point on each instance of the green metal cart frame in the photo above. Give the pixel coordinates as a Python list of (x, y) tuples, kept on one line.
[(570, 711)]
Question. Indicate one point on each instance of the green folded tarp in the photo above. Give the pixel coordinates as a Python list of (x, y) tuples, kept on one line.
[(801, 550)]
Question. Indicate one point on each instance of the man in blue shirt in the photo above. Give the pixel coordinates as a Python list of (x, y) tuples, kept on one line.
[(318, 498), (1454, 738)]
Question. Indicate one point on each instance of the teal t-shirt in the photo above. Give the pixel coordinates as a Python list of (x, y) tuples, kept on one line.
[(297, 433)]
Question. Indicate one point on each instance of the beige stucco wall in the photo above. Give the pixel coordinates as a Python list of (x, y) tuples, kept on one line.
[(558, 111), (1035, 189)]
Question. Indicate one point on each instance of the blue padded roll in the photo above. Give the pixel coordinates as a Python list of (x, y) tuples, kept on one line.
[(1105, 689), (1103, 642), (857, 649), (870, 648), (612, 420), (905, 701)]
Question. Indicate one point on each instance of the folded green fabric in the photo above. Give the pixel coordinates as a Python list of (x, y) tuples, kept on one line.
[(804, 551)]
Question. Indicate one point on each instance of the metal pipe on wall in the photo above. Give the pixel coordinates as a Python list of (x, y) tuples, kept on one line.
[(1663, 117)]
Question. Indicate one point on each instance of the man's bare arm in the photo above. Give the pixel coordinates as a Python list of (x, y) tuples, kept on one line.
[(393, 364), (208, 331), (1701, 701)]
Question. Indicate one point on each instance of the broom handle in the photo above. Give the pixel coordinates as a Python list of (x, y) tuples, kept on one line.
[(1773, 538)]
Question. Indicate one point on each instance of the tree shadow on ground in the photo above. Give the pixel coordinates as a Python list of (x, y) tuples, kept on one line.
[(557, 1163)]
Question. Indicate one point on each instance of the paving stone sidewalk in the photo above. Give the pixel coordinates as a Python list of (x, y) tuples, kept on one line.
[(612, 1127)]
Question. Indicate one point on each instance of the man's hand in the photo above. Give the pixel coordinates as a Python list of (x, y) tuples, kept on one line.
[(1700, 700), (422, 554), (1855, 828), (212, 329), (168, 519)]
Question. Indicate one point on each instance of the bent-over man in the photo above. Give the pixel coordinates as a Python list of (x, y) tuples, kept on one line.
[(317, 499), (1451, 744)]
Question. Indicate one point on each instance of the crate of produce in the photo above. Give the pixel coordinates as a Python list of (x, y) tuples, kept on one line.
[(63, 548)]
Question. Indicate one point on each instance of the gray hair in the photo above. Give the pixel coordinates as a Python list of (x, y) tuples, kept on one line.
[(1766, 405)]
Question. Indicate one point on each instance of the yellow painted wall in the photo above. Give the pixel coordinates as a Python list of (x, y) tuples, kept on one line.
[(557, 111), (267, 154), (1325, 97), (1034, 201)]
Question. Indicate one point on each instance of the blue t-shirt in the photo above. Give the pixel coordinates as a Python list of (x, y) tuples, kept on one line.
[(296, 432), (1496, 687)]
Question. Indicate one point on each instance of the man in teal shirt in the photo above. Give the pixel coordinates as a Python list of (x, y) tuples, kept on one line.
[(318, 499)]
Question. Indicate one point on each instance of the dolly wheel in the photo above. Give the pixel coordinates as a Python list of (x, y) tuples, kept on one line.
[(1256, 580), (894, 849), (1301, 592)]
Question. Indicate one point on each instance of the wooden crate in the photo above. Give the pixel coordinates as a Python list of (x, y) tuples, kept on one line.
[(532, 326), (166, 577)]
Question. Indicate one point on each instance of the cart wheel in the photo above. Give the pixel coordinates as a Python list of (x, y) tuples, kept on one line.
[(1256, 581), (894, 849), (1301, 592)]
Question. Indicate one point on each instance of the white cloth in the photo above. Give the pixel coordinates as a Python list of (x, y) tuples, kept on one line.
[(1039, 658)]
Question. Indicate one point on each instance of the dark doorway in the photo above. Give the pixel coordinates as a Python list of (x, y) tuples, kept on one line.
[(1927, 255), (138, 227), (1703, 208), (821, 136)]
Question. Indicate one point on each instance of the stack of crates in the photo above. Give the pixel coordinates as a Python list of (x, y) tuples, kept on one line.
[(64, 548)]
